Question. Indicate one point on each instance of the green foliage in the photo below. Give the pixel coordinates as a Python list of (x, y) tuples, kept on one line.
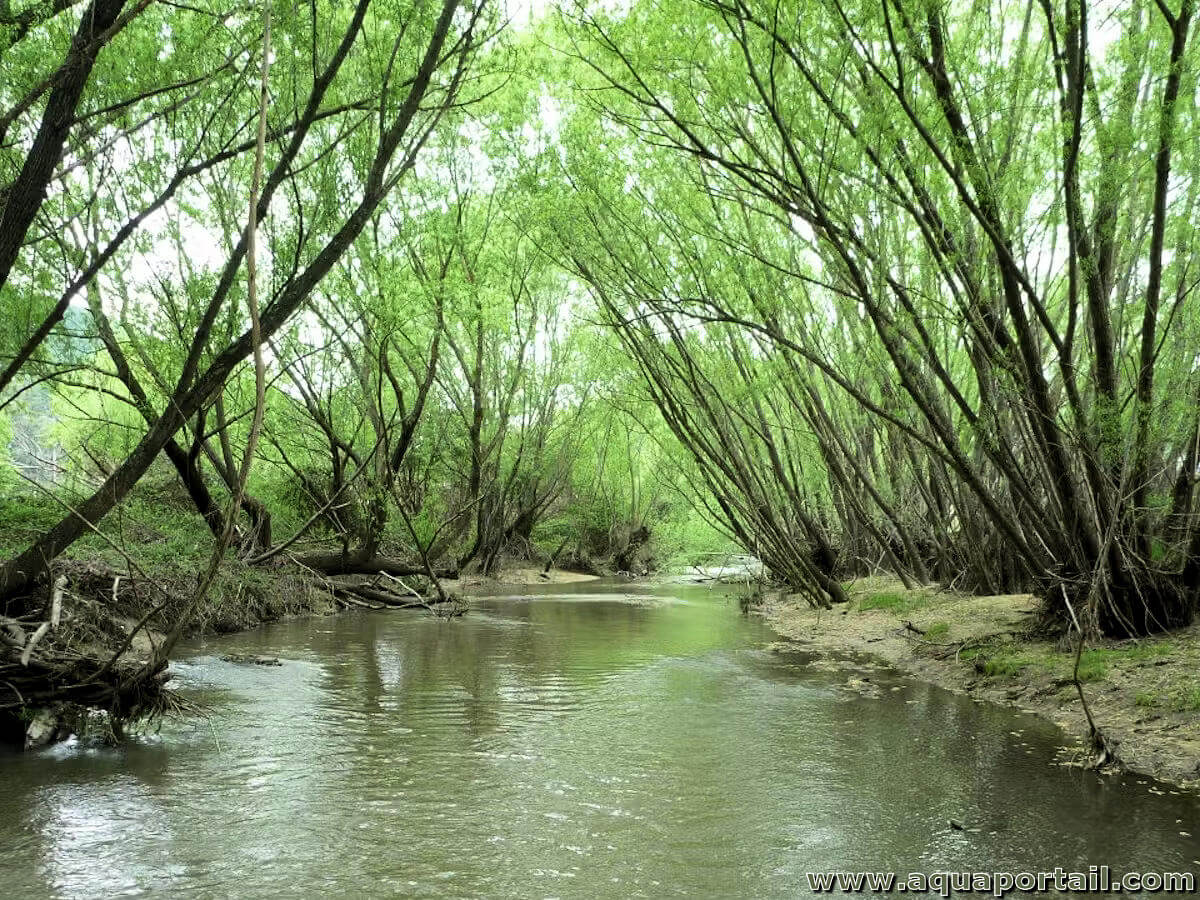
[(798, 209), (9, 480), (711, 273), (157, 527), (22, 517)]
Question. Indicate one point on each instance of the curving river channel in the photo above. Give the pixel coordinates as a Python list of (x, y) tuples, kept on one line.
[(594, 740)]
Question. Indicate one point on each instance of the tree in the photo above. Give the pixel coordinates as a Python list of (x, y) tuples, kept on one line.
[(903, 148), (380, 149)]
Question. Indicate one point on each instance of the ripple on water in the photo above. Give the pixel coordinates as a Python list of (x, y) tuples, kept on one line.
[(591, 745)]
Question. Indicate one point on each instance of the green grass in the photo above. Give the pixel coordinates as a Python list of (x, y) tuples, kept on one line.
[(893, 601), (1186, 700), (882, 601), (1092, 666), (1095, 665), (1000, 662), (1141, 651), (937, 630), (156, 527), (1006, 664), (23, 517)]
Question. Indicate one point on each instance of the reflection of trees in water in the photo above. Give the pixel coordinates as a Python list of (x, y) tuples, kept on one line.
[(525, 642), (710, 746), (462, 688)]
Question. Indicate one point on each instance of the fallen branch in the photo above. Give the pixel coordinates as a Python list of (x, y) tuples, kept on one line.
[(33, 642), (371, 591), (60, 585), (350, 600)]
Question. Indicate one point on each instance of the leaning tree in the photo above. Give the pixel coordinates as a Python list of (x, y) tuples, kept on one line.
[(995, 194)]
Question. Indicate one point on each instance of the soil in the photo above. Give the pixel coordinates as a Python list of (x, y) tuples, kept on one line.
[(1144, 695)]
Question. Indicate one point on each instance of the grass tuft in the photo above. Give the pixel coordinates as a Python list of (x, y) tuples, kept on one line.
[(893, 601), (1005, 665), (937, 630), (1093, 666), (1186, 700)]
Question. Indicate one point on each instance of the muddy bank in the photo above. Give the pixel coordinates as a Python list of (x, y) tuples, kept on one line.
[(1144, 694)]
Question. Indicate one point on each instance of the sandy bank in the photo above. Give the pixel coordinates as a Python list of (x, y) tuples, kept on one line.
[(516, 576), (1144, 694)]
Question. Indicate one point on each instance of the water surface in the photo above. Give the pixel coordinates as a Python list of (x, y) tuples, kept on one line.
[(596, 740)]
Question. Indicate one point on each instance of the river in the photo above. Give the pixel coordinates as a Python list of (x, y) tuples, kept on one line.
[(590, 740)]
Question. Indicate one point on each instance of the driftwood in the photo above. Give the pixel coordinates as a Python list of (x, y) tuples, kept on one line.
[(380, 585), (381, 593), (375, 594), (348, 598), (64, 674), (69, 658), (360, 563), (26, 646)]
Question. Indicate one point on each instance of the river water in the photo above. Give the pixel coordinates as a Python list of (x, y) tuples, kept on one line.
[(594, 740)]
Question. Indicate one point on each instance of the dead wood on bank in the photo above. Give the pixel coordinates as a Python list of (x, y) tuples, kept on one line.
[(89, 644)]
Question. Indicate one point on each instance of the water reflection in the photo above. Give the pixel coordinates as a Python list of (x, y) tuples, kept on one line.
[(581, 744)]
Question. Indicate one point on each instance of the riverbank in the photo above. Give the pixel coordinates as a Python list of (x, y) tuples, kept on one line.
[(1144, 694), (245, 597)]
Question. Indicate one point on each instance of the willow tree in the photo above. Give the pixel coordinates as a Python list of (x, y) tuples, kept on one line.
[(508, 385), (773, 465), (994, 194), (362, 91), (357, 373)]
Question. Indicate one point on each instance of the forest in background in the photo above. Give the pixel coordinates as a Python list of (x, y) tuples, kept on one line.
[(323, 297)]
